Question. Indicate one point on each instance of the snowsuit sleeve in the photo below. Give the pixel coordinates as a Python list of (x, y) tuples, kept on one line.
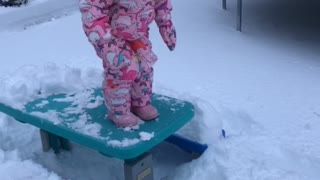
[(95, 20), (163, 20)]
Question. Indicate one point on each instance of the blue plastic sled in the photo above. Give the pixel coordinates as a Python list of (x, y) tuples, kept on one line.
[(81, 118)]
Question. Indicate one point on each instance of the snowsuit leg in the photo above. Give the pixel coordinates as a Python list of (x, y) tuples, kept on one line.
[(120, 72), (142, 86)]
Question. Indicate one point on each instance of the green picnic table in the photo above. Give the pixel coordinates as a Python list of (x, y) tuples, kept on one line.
[(81, 118)]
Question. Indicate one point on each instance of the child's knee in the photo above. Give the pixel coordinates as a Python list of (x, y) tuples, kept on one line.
[(122, 68)]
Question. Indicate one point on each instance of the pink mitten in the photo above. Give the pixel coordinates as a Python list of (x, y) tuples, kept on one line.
[(168, 34)]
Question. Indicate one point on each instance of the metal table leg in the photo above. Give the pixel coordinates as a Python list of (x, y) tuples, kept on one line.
[(52, 141), (139, 168)]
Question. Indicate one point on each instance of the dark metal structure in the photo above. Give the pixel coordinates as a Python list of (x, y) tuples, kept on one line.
[(239, 12)]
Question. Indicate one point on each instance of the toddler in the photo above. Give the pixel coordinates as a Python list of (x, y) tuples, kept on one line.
[(118, 30)]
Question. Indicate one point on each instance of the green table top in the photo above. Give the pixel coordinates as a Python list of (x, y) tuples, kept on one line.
[(81, 118)]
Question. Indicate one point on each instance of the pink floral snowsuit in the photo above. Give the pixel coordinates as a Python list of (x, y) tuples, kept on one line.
[(118, 30)]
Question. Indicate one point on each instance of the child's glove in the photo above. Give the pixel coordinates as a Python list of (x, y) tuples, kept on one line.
[(168, 34)]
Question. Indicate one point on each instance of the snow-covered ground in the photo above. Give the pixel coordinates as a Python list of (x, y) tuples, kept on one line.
[(260, 85), (36, 11)]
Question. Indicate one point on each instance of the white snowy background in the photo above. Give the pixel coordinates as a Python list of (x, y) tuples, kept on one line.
[(260, 85)]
